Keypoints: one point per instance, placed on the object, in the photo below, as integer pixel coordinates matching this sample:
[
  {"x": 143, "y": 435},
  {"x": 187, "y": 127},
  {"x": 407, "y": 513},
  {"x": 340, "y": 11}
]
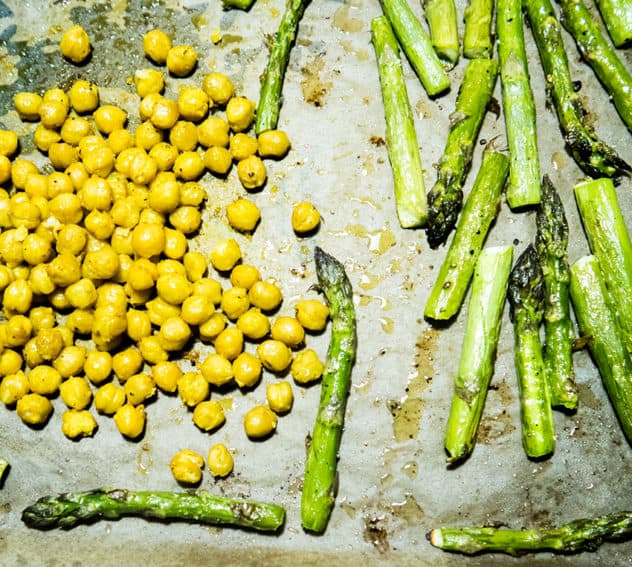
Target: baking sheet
[{"x": 393, "y": 481}]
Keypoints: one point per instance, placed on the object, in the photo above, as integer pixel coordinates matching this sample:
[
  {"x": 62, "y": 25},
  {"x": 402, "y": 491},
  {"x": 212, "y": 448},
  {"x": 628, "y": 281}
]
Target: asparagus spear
[
  {"x": 417, "y": 46},
  {"x": 524, "y": 175},
  {"x": 598, "y": 53},
  {"x": 593, "y": 155},
  {"x": 477, "y": 40},
  {"x": 401, "y": 138},
  {"x": 597, "y": 322},
  {"x": 476, "y": 366},
  {"x": 573, "y": 537},
  {"x": 552, "y": 243},
  {"x": 441, "y": 18},
  {"x": 444, "y": 199},
  {"x": 269, "y": 105},
  {"x": 526, "y": 298},
  {"x": 478, "y": 214},
  {"x": 609, "y": 240},
  {"x": 617, "y": 15},
  {"x": 73, "y": 508},
  {"x": 322, "y": 455}
]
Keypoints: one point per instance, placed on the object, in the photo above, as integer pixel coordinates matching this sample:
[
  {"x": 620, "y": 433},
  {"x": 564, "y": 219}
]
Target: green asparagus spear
[
  {"x": 444, "y": 199},
  {"x": 597, "y": 322},
  {"x": 476, "y": 366},
  {"x": 73, "y": 508},
  {"x": 479, "y": 211},
  {"x": 441, "y": 18},
  {"x": 401, "y": 138},
  {"x": 269, "y": 105},
  {"x": 576, "y": 536},
  {"x": 526, "y": 298},
  {"x": 417, "y": 46},
  {"x": 593, "y": 155},
  {"x": 617, "y": 15},
  {"x": 238, "y": 4},
  {"x": 598, "y": 53},
  {"x": 609, "y": 240},
  {"x": 322, "y": 455},
  {"x": 552, "y": 243},
  {"x": 524, "y": 174},
  {"x": 477, "y": 40}
]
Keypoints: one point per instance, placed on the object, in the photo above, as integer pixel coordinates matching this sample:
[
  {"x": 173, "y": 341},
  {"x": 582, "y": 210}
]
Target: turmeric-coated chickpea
[
  {"x": 49, "y": 343},
  {"x": 81, "y": 294},
  {"x": 17, "y": 297},
  {"x": 280, "y": 396},
  {"x": 289, "y": 331},
  {"x": 244, "y": 275},
  {"x": 52, "y": 113},
  {"x": 193, "y": 388},
  {"x": 208, "y": 287},
  {"x": 70, "y": 361},
  {"x": 260, "y": 422},
  {"x": 265, "y": 295},
  {"x": 84, "y": 96},
  {"x": 243, "y": 215},
  {"x": 216, "y": 369},
  {"x": 8, "y": 142},
  {"x": 5, "y": 169},
  {"x": 164, "y": 192},
  {"x": 194, "y": 265},
  {"x": 138, "y": 324},
  {"x": 44, "y": 379},
  {"x": 126, "y": 363},
  {"x": 138, "y": 388},
  {"x": 166, "y": 375},
  {"x": 247, "y": 370},
  {"x": 225, "y": 255},
  {"x": 112, "y": 295},
  {"x": 61, "y": 155},
  {"x": 10, "y": 362},
  {"x": 42, "y": 318},
  {"x": 108, "y": 118},
  {"x": 186, "y": 219},
  {"x": 306, "y": 367},
  {"x": 78, "y": 423},
  {"x": 240, "y": 112},
  {"x": 102, "y": 264},
  {"x": 312, "y": 314},
  {"x": 220, "y": 461},
  {"x": 174, "y": 334},
  {"x": 189, "y": 166},
  {"x": 36, "y": 249},
  {"x": 218, "y": 160},
  {"x": 20, "y": 170},
  {"x": 156, "y": 45},
  {"x": 253, "y": 324},
  {"x": 192, "y": 194},
  {"x": 193, "y": 103},
  {"x": 148, "y": 239},
  {"x": 142, "y": 274},
  {"x": 169, "y": 266},
  {"x": 208, "y": 415},
  {"x": 165, "y": 113},
  {"x": 148, "y": 81},
  {"x": 252, "y": 172},
  {"x": 75, "y": 392},
  {"x": 219, "y": 88},
  {"x": 75, "y": 44},
  {"x": 109, "y": 398},
  {"x": 235, "y": 302},
  {"x": 176, "y": 244},
  {"x": 214, "y": 131},
  {"x": 197, "y": 309},
  {"x": 151, "y": 349},
  {"x": 98, "y": 366},
  {"x": 130, "y": 420},
  {"x": 212, "y": 327},
  {"x": 160, "y": 310},
  {"x": 181, "y": 60},
  {"x": 186, "y": 466},
  {"x": 57, "y": 94},
  {"x": 142, "y": 168},
  {"x": 13, "y": 387},
  {"x": 184, "y": 136},
  {"x": 27, "y": 105},
  {"x": 34, "y": 409},
  {"x": 120, "y": 139},
  {"x": 273, "y": 144},
  {"x": 173, "y": 288},
  {"x": 36, "y": 186},
  {"x": 305, "y": 217},
  {"x": 242, "y": 146},
  {"x": 44, "y": 137},
  {"x": 66, "y": 208},
  {"x": 73, "y": 129},
  {"x": 229, "y": 343},
  {"x": 17, "y": 331},
  {"x": 80, "y": 321},
  {"x": 275, "y": 355},
  {"x": 147, "y": 136},
  {"x": 164, "y": 154}
]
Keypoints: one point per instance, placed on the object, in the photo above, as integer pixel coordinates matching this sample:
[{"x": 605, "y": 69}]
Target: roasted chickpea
[
  {"x": 164, "y": 154},
  {"x": 273, "y": 144},
  {"x": 36, "y": 249},
  {"x": 130, "y": 420},
  {"x": 36, "y": 185},
  {"x": 174, "y": 334},
  {"x": 280, "y": 396},
  {"x": 230, "y": 343},
  {"x": 70, "y": 361},
  {"x": 5, "y": 169},
  {"x": 265, "y": 295},
  {"x": 197, "y": 309},
  {"x": 75, "y": 44},
  {"x": 260, "y": 422},
  {"x": 49, "y": 343},
  {"x": 242, "y": 146},
  {"x": 225, "y": 255},
  {"x": 126, "y": 363},
  {"x": 44, "y": 379},
  {"x": 243, "y": 215},
  {"x": 156, "y": 45},
  {"x": 102, "y": 264},
  {"x": 13, "y": 387},
  {"x": 138, "y": 388},
  {"x": 219, "y": 88},
  {"x": 247, "y": 370},
  {"x": 173, "y": 288},
  {"x": 84, "y": 96},
  {"x": 214, "y": 131},
  {"x": 17, "y": 331},
  {"x": 220, "y": 461},
  {"x": 289, "y": 331},
  {"x": 62, "y": 155},
  {"x": 275, "y": 355},
  {"x": 148, "y": 81},
  {"x": 75, "y": 392},
  {"x": 109, "y": 398},
  {"x": 52, "y": 113},
  {"x": 17, "y": 297},
  {"x": 312, "y": 314},
  {"x": 160, "y": 310},
  {"x": 166, "y": 375},
  {"x": 244, "y": 275},
  {"x": 235, "y": 302},
  {"x": 210, "y": 288},
  {"x": 138, "y": 324},
  {"x": 192, "y": 194},
  {"x": 240, "y": 112},
  {"x": 20, "y": 170},
  {"x": 81, "y": 321},
  {"x": 218, "y": 160},
  {"x": 181, "y": 60},
  {"x": 193, "y": 388},
  {"x": 208, "y": 415},
  {"x": 165, "y": 113},
  {"x": 306, "y": 367},
  {"x": 152, "y": 351},
  {"x": 42, "y": 318},
  {"x": 186, "y": 466},
  {"x": 98, "y": 366},
  {"x": 10, "y": 362},
  {"x": 253, "y": 324},
  {"x": 27, "y": 105},
  {"x": 216, "y": 369},
  {"x": 186, "y": 219},
  {"x": 175, "y": 244},
  {"x": 215, "y": 324},
  {"x": 108, "y": 118},
  {"x": 147, "y": 136},
  {"x": 193, "y": 103},
  {"x": 44, "y": 137},
  {"x": 73, "y": 129},
  {"x": 183, "y": 136},
  {"x": 194, "y": 265},
  {"x": 8, "y": 142},
  {"x": 148, "y": 239},
  {"x": 189, "y": 166},
  {"x": 252, "y": 172},
  {"x": 78, "y": 423},
  {"x": 34, "y": 409}
]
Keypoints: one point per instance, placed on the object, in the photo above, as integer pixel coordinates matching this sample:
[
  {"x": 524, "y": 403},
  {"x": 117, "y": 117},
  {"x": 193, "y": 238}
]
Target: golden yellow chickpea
[
  {"x": 273, "y": 144},
  {"x": 193, "y": 388},
  {"x": 209, "y": 415},
  {"x": 31, "y": 356},
  {"x": 17, "y": 297},
  {"x": 220, "y": 461},
  {"x": 73, "y": 129},
  {"x": 108, "y": 118},
  {"x": 197, "y": 309},
  {"x": 142, "y": 168},
  {"x": 289, "y": 331},
  {"x": 169, "y": 267},
  {"x": 229, "y": 343},
  {"x": 147, "y": 136},
  {"x": 112, "y": 295},
  {"x": 240, "y": 112},
  {"x": 312, "y": 314},
  {"x": 225, "y": 255},
  {"x": 24, "y": 212},
  {"x": 44, "y": 137},
  {"x": 75, "y": 44},
  {"x": 212, "y": 327},
  {"x": 126, "y": 363},
  {"x": 98, "y": 366},
  {"x": 184, "y": 136},
  {"x": 173, "y": 288},
  {"x": 57, "y": 95},
  {"x": 244, "y": 275},
  {"x": 265, "y": 295},
  {"x": 44, "y": 379},
  {"x": 81, "y": 294},
  {"x": 192, "y": 194},
  {"x": 260, "y": 422},
  {"x": 138, "y": 388},
  {"x": 174, "y": 334},
  {"x": 13, "y": 387},
  {"x": 5, "y": 169},
  {"x": 52, "y": 113},
  {"x": 242, "y": 146},
  {"x": 138, "y": 324},
  {"x": 84, "y": 96},
  {"x": 252, "y": 173},
  {"x": 148, "y": 239},
  {"x": 280, "y": 397},
  {"x": 27, "y": 105},
  {"x": 214, "y": 131},
  {"x": 186, "y": 466},
  {"x": 189, "y": 166},
  {"x": 247, "y": 370},
  {"x": 193, "y": 103},
  {"x": 70, "y": 361},
  {"x": 10, "y": 362},
  {"x": 218, "y": 160},
  {"x": 219, "y": 88},
  {"x": 109, "y": 398},
  {"x": 160, "y": 310},
  {"x": 164, "y": 192},
  {"x": 11, "y": 249},
  {"x": 49, "y": 343},
  {"x": 42, "y": 318},
  {"x": 156, "y": 45},
  {"x": 194, "y": 265},
  {"x": 80, "y": 321},
  {"x": 36, "y": 249},
  {"x": 235, "y": 302},
  {"x": 130, "y": 420},
  {"x": 186, "y": 219},
  {"x": 175, "y": 244},
  {"x": 6, "y": 276},
  {"x": 305, "y": 218},
  {"x": 165, "y": 113},
  {"x": 75, "y": 392},
  {"x": 62, "y": 155},
  {"x": 306, "y": 367},
  {"x": 8, "y": 142},
  {"x": 34, "y": 409},
  {"x": 102, "y": 264},
  {"x": 166, "y": 375},
  {"x": 142, "y": 274},
  {"x": 151, "y": 350},
  {"x": 164, "y": 154},
  {"x": 20, "y": 170},
  {"x": 210, "y": 288},
  {"x": 120, "y": 139},
  {"x": 66, "y": 208},
  {"x": 37, "y": 185},
  {"x": 274, "y": 355},
  {"x": 216, "y": 369},
  {"x": 253, "y": 324},
  {"x": 243, "y": 215},
  {"x": 78, "y": 423},
  {"x": 181, "y": 60},
  {"x": 17, "y": 331},
  {"x": 148, "y": 81}
]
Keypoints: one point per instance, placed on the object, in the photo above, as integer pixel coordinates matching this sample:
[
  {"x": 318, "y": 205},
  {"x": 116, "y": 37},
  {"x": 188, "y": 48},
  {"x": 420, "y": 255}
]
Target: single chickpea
[
  {"x": 73, "y": 129},
  {"x": 17, "y": 297},
  {"x": 42, "y": 318},
  {"x": 44, "y": 379},
  {"x": 193, "y": 103},
  {"x": 80, "y": 321},
  {"x": 81, "y": 294},
  {"x": 251, "y": 172},
  {"x": 173, "y": 288},
  {"x": 312, "y": 314},
  {"x": 36, "y": 186},
  {"x": 189, "y": 166},
  {"x": 160, "y": 310},
  {"x": 27, "y": 105},
  {"x": 52, "y": 113},
  {"x": 240, "y": 112},
  {"x": 164, "y": 154},
  {"x": 229, "y": 343},
  {"x": 242, "y": 146},
  {"x": 197, "y": 309},
  {"x": 208, "y": 415},
  {"x": 184, "y": 136},
  {"x": 75, "y": 44},
  {"x": 49, "y": 343},
  {"x": 210, "y": 288},
  {"x": 273, "y": 144},
  {"x": 108, "y": 118},
  {"x": 194, "y": 265},
  {"x": 220, "y": 461},
  {"x": 175, "y": 244},
  {"x": 260, "y": 422},
  {"x": 265, "y": 295},
  {"x": 156, "y": 45},
  {"x": 78, "y": 423},
  {"x": 102, "y": 264},
  {"x": 214, "y": 131},
  {"x": 148, "y": 240},
  {"x": 120, "y": 139},
  {"x": 5, "y": 169},
  {"x": 62, "y": 155},
  {"x": 193, "y": 388},
  {"x": 216, "y": 369},
  {"x": 9, "y": 142},
  {"x": 13, "y": 387},
  {"x": 44, "y": 137},
  {"x": 165, "y": 113},
  {"x": 109, "y": 398},
  {"x": 192, "y": 194},
  {"x": 225, "y": 255},
  {"x": 219, "y": 88},
  {"x": 215, "y": 324},
  {"x": 247, "y": 370},
  {"x": 152, "y": 350},
  {"x": 138, "y": 388},
  {"x": 166, "y": 375},
  {"x": 305, "y": 218},
  {"x": 126, "y": 363},
  {"x": 306, "y": 367},
  {"x": 164, "y": 192},
  {"x": 186, "y": 466},
  {"x": 253, "y": 324},
  {"x": 84, "y": 96},
  {"x": 186, "y": 219},
  {"x": 17, "y": 331},
  {"x": 174, "y": 334},
  {"x": 289, "y": 331},
  {"x": 10, "y": 362},
  {"x": 20, "y": 170},
  {"x": 66, "y": 208},
  {"x": 169, "y": 267},
  {"x": 130, "y": 420},
  {"x": 98, "y": 366},
  {"x": 138, "y": 324},
  {"x": 244, "y": 275},
  {"x": 112, "y": 295},
  {"x": 36, "y": 249},
  {"x": 147, "y": 136},
  {"x": 34, "y": 409},
  {"x": 218, "y": 160},
  {"x": 181, "y": 60},
  {"x": 70, "y": 361},
  {"x": 75, "y": 392},
  {"x": 148, "y": 81},
  {"x": 274, "y": 355},
  {"x": 280, "y": 397},
  {"x": 243, "y": 215},
  {"x": 142, "y": 274}
]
